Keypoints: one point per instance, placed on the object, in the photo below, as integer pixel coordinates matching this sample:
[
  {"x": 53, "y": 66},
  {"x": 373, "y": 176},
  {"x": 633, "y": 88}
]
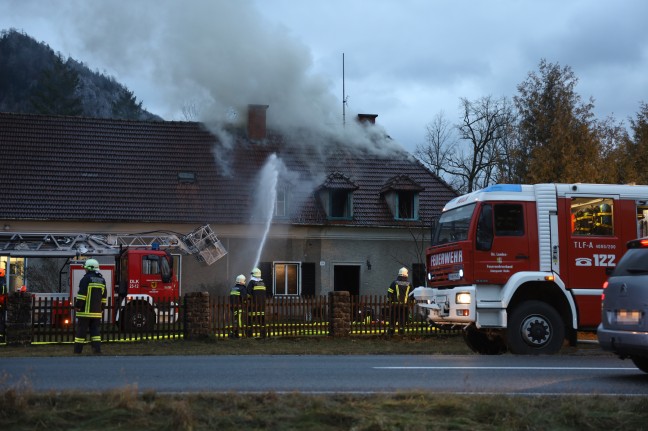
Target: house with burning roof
[{"x": 315, "y": 213}]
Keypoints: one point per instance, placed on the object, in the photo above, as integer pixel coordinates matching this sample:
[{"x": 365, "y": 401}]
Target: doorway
[{"x": 347, "y": 277}]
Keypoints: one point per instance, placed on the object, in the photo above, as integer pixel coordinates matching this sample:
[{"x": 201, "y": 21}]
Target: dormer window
[
  {"x": 402, "y": 196},
  {"x": 340, "y": 204},
  {"x": 407, "y": 205},
  {"x": 336, "y": 196}
]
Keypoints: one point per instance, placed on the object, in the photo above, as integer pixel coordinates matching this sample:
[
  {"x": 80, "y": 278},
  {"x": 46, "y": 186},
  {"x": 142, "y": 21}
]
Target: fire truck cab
[
  {"x": 521, "y": 267},
  {"x": 143, "y": 282}
]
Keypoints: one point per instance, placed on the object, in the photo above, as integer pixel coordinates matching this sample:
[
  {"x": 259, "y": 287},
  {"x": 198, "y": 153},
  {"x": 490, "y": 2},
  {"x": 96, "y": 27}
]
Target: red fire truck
[
  {"x": 521, "y": 267},
  {"x": 141, "y": 276}
]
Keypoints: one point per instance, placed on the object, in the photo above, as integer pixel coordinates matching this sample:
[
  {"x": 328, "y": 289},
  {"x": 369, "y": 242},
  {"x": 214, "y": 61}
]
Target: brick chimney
[
  {"x": 257, "y": 122},
  {"x": 367, "y": 118}
]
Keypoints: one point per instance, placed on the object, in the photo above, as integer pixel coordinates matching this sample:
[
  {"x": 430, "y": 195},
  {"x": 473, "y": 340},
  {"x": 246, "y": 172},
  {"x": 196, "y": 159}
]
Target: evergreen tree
[
  {"x": 34, "y": 79},
  {"x": 557, "y": 139},
  {"x": 56, "y": 92},
  {"x": 126, "y": 106},
  {"x": 634, "y": 154},
  {"x": 614, "y": 139}
]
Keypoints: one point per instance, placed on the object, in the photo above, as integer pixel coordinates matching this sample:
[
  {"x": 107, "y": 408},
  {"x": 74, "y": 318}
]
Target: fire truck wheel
[
  {"x": 480, "y": 342},
  {"x": 640, "y": 362},
  {"x": 535, "y": 328},
  {"x": 138, "y": 318}
]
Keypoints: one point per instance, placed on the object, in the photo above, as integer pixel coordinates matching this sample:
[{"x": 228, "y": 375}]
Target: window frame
[
  {"x": 413, "y": 203},
  {"x": 285, "y": 293},
  {"x": 348, "y": 204},
  {"x": 281, "y": 202}
]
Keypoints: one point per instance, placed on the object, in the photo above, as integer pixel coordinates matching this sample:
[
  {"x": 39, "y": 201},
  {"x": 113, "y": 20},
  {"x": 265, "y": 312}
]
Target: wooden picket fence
[
  {"x": 306, "y": 316},
  {"x": 52, "y": 319}
]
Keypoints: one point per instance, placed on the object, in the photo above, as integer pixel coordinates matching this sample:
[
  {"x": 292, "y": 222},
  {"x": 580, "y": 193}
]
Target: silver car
[{"x": 624, "y": 321}]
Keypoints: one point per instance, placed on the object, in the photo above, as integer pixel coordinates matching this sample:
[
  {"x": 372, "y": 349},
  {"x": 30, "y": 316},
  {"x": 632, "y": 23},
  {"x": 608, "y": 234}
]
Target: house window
[
  {"x": 281, "y": 203},
  {"x": 407, "y": 205},
  {"x": 339, "y": 204},
  {"x": 286, "y": 278}
]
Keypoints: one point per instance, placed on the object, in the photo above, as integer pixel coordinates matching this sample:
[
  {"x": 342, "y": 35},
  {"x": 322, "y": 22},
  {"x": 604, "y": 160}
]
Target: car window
[{"x": 634, "y": 261}]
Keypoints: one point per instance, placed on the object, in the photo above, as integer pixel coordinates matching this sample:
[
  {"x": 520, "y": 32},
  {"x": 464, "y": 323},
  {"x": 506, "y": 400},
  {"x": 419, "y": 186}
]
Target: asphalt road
[{"x": 505, "y": 374}]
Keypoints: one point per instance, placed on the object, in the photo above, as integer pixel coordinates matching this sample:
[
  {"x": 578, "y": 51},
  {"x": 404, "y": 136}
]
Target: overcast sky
[{"x": 405, "y": 60}]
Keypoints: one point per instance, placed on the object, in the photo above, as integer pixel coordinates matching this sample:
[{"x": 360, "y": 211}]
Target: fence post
[
  {"x": 197, "y": 315},
  {"x": 19, "y": 319},
  {"x": 340, "y": 323}
]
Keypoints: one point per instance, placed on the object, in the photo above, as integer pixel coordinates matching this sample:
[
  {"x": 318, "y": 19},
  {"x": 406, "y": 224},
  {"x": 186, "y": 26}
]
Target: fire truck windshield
[{"x": 453, "y": 225}]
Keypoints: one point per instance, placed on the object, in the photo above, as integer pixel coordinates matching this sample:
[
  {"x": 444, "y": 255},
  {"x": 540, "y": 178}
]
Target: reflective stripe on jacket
[
  {"x": 91, "y": 298},
  {"x": 398, "y": 291},
  {"x": 238, "y": 294}
]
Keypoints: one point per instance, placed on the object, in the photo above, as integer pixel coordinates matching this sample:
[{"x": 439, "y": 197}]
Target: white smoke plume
[
  {"x": 217, "y": 56},
  {"x": 220, "y": 55},
  {"x": 211, "y": 58}
]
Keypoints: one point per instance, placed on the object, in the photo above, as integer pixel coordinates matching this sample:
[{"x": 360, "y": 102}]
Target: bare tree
[
  {"x": 480, "y": 154},
  {"x": 485, "y": 127},
  {"x": 438, "y": 147},
  {"x": 509, "y": 152}
]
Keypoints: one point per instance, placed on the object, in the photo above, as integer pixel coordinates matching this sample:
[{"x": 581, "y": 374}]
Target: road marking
[{"x": 511, "y": 368}]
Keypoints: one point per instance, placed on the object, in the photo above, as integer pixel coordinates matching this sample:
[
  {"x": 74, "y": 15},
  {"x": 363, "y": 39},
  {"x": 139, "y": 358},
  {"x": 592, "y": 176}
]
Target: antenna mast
[{"x": 344, "y": 98}]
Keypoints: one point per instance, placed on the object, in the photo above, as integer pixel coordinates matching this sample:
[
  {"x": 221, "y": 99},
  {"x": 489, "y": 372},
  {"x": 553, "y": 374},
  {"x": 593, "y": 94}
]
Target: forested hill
[{"x": 36, "y": 80}]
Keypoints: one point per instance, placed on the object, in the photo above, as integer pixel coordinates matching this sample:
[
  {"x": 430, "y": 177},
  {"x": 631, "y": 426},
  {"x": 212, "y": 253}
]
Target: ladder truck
[
  {"x": 142, "y": 279},
  {"x": 521, "y": 267}
]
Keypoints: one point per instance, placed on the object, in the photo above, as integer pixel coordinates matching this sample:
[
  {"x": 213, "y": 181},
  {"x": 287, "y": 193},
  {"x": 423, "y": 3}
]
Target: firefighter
[
  {"x": 89, "y": 304},
  {"x": 256, "y": 291},
  {"x": 3, "y": 301},
  {"x": 238, "y": 297},
  {"x": 398, "y": 297}
]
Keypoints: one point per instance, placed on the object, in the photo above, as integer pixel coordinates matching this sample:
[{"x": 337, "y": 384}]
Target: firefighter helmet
[
  {"x": 403, "y": 272},
  {"x": 2, "y": 272},
  {"x": 240, "y": 279},
  {"x": 256, "y": 272},
  {"x": 91, "y": 265}
]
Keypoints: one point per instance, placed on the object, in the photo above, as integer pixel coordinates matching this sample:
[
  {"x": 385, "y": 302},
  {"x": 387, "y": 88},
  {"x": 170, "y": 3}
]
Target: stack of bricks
[
  {"x": 19, "y": 319},
  {"x": 340, "y": 320},
  {"x": 197, "y": 316}
]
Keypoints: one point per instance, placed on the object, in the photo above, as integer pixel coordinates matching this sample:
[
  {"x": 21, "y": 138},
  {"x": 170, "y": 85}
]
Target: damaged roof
[{"x": 89, "y": 169}]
